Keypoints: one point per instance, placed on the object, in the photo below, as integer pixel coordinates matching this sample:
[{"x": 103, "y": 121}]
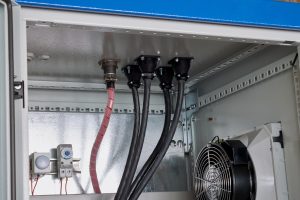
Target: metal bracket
[
  {"x": 279, "y": 139},
  {"x": 191, "y": 107},
  {"x": 237, "y": 57},
  {"x": 19, "y": 91},
  {"x": 247, "y": 81}
]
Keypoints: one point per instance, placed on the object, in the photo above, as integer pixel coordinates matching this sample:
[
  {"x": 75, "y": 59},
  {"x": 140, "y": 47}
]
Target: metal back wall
[
  {"x": 49, "y": 129},
  {"x": 262, "y": 13}
]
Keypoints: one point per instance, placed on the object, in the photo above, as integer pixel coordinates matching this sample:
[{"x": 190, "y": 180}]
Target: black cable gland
[
  {"x": 109, "y": 67},
  {"x": 133, "y": 74},
  {"x": 147, "y": 64},
  {"x": 165, "y": 75},
  {"x": 181, "y": 66}
]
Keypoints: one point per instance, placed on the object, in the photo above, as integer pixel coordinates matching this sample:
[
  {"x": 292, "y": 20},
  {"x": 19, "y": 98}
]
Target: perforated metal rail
[{"x": 247, "y": 81}]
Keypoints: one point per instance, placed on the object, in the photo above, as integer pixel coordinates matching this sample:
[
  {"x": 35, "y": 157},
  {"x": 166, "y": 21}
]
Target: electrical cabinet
[{"x": 240, "y": 78}]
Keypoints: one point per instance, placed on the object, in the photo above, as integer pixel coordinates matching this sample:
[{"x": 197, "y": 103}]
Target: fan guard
[{"x": 223, "y": 171}]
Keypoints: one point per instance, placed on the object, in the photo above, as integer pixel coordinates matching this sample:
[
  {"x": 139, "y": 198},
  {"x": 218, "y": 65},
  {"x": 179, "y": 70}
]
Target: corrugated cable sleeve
[{"x": 99, "y": 138}]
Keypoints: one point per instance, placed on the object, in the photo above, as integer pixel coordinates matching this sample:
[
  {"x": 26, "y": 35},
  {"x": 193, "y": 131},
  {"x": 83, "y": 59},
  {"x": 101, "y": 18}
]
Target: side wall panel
[{"x": 269, "y": 101}]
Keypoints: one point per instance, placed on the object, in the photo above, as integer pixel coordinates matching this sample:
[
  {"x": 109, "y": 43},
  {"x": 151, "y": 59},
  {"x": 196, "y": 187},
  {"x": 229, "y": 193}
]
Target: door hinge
[{"x": 19, "y": 91}]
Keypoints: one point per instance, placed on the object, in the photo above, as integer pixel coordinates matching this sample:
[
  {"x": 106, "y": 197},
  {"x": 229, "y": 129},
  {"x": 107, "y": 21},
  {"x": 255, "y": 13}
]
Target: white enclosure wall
[{"x": 4, "y": 107}]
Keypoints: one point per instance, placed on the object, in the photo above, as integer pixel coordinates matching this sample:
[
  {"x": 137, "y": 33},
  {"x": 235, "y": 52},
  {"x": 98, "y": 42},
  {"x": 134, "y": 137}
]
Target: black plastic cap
[
  {"x": 147, "y": 64},
  {"x": 181, "y": 66},
  {"x": 165, "y": 75},
  {"x": 133, "y": 74}
]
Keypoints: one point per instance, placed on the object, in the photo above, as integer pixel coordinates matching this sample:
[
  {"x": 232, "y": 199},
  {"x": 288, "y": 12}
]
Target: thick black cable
[
  {"x": 137, "y": 192},
  {"x": 148, "y": 164},
  {"x": 140, "y": 143},
  {"x": 134, "y": 140}
]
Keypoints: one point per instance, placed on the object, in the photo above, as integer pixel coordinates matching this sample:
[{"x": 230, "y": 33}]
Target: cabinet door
[{"x": 5, "y": 173}]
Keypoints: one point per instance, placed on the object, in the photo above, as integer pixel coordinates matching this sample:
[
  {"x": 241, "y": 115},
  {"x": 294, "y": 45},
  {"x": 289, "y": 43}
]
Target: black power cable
[
  {"x": 147, "y": 65},
  {"x": 133, "y": 74},
  {"x": 127, "y": 175},
  {"x": 165, "y": 74},
  {"x": 139, "y": 188},
  {"x": 181, "y": 67},
  {"x": 139, "y": 145},
  {"x": 158, "y": 147}
]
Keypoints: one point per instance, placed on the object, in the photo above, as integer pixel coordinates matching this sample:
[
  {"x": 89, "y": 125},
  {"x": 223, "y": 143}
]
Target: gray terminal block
[{"x": 64, "y": 161}]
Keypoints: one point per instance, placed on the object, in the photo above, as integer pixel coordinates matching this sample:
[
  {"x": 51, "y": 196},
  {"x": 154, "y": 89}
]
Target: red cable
[
  {"x": 36, "y": 182},
  {"x": 99, "y": 138}
]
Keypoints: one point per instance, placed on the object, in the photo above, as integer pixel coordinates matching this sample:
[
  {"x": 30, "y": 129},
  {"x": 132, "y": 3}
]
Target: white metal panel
[
  {"x": 4, "y": 106},
  {"x": 75, "y": 51},
  {"x": 270, "y": 101},
  {"x": 21, "y": 120}
]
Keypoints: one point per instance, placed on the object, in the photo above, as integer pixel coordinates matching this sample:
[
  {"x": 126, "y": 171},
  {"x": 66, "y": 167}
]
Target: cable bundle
[{"x": 129, "y": 189}]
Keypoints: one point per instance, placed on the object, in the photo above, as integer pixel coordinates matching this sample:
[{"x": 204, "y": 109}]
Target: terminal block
[{"x": 64, "y": 161}]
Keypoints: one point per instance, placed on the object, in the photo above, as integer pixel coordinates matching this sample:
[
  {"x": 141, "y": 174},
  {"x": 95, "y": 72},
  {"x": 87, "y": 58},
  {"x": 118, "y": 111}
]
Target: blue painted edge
[{"x": 257, "y": 13}]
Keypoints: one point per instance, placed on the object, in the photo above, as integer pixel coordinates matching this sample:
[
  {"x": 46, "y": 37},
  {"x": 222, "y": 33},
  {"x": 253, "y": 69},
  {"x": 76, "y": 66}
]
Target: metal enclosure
[{"x": 66, "y": 94}]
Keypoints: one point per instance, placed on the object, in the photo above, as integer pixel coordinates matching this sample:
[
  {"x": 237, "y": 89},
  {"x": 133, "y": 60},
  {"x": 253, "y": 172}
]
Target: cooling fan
[
  {"x": 248, "y": 166},
  {"x": 224, "y": 172}
]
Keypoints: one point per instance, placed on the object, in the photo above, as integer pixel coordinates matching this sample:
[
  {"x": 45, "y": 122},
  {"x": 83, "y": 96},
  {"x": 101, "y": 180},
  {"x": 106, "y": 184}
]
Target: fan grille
[{"x": 213, "y": 174}]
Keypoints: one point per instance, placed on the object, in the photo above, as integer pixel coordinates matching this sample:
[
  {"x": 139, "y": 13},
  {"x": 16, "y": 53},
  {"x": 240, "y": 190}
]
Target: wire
[
  {"x": 134, "y": 140},
  {"x": 139, "y": 188},
  {"x": 99, "y": 138},
  {"x": 31, "y": 184},
  {"x": 36, "y": 182},
  {"x": 160, "y": 143},
  {"x": 66, "y": 186},
  {"x": 60, "y": 192},
  {"x": 214, "y": 138},
  {"x": 139, "y": 145}
]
